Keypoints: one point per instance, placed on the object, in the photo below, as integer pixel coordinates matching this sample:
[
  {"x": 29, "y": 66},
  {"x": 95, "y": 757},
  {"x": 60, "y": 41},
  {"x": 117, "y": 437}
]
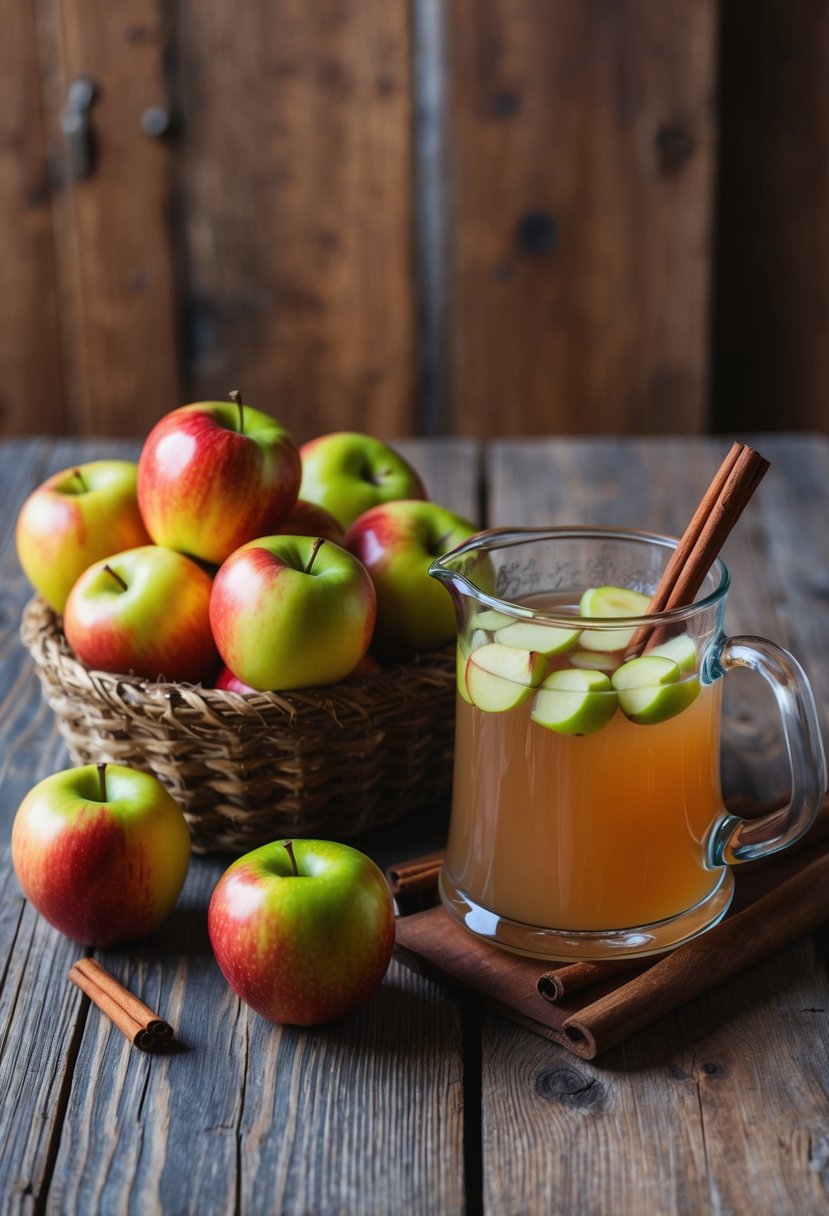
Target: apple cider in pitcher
[
  {"x": 551, "y": 821},
  {"x": 555, "y": 829},
  {"x": 587, "y": 818}
]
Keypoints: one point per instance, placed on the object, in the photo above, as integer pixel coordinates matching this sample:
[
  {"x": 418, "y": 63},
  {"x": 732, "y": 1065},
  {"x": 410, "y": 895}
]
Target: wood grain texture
[
  {"x": 772, "y": 299},
  {"x": 31, "y": 394},
  {"x": 706, "y": 1091},
  {"x": 117, "y": 253},
  {"x": 581, "y": 149},
  {"x": 299, "y": 210}
]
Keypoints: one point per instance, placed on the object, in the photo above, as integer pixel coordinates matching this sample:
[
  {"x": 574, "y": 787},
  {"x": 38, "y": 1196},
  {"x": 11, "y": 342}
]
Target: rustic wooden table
[{"x": 422, "y": 1102}]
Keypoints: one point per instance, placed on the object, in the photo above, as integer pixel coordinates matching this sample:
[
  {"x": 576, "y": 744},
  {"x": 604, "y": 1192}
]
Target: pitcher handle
[{"x": 734, "y": 839}]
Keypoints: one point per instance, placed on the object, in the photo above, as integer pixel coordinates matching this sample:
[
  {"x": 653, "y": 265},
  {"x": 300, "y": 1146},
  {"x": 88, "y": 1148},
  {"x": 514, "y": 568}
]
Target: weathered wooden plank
[
  {"x": 695, "y": 1092},
  {"x": 117, "y": 260},
  {"x": 771, "y": 359},
  {"x": 31, "y": 391},
  {"x": 299, "y": 210},
  {"x": 581, "y": 150},
  {"x": 246, "y": 1116}
]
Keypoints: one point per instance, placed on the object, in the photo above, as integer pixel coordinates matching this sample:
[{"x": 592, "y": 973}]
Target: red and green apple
[
  {"x": 302, "y": 930},
  {"x": 101, "y": 852},
  {"x": 144, "y": 611},
  {"x": 292, "y": 612},
  {"x": 214, "y": 475},
  {"x": 76, "y": 517},
  {"x": 308, "y": 519},
  {"x": 397, "y": 542},
  {"x": 347, "y": 472}
]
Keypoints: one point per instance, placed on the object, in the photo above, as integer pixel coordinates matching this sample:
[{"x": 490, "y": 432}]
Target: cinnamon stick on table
[
  {"x": 419, "y": 874},
  {"x": 141, "y": 1025},
  {"x": 720, "y": 507}
]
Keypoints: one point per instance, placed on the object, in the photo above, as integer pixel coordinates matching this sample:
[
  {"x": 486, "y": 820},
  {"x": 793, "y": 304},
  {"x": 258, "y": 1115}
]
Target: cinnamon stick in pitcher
[{"x": 720, "y": 507}]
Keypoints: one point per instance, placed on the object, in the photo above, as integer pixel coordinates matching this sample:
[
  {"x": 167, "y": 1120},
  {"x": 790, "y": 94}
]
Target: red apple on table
[
  {"x": 76, "y": 517},
  {"x": 347, "y": 472},
  {"x": 292, "y": 612},
  {"x": 214, "y": 475},
  {"x": 101, "y": 852},
  {"x": 397, "y": 542},
  {"x": 303, "y": 934},
  {"x": 145, "y": 611}
]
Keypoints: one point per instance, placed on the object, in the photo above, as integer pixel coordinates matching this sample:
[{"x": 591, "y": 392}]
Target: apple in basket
[
  {"x": 347, "y": 472},
  {"x": 307, "y": 519},
  {"x": 396, "y": 542},
  {"x": 214, "y": 475},
  {"x": 76, "y": 517},
  {"x": 302, "y": 930},
  {"x": 145, "y": 611},
  {"x": 292, "y": 612},
  {"x": 101, "y": 852}
]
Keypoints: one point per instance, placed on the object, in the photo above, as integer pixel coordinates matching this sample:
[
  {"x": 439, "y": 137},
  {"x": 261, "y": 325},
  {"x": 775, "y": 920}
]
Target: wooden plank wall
[{"x": 473, "y": 217}]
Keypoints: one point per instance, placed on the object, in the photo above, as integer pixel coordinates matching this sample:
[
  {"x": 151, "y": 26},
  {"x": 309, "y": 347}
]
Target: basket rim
[{"x": 41, "y": 632}]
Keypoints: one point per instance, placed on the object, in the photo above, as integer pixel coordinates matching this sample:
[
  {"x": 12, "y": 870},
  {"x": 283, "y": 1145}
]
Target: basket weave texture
[{"x": 328, "y": 762}]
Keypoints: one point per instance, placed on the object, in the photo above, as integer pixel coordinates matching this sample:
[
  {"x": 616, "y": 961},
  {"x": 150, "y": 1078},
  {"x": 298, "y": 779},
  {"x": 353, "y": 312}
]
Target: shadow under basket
[{"x": 328, "y": 762}]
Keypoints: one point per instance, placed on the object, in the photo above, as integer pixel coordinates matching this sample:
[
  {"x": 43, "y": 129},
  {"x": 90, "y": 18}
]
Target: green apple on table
[
  {"x": 302, "y": 930},
  {"x": 101, "y": 852},
  {"x": 347, "y": 472},
  {"x": 144, "y": 611},
  {"x": 214, "y": 475},
  {"x": 292, "y": 612},
  {"x": 74, "y": 518},
  {"x": 397, "y": 542}
]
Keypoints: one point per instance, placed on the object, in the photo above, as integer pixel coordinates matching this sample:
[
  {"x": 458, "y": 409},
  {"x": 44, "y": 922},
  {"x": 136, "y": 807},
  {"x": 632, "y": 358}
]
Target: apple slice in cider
[
  {"x": 531, "y": 635},
  {"x": 574, "y": 701},
  {"x": 594, "y": 660},
  {"x": 490, "y": 618},
  {"x": 650, "y": 689},
  {"x": 607, "y": 603},
  {"x": 681, "y": 649},
  {"x": 479, "y": 638},
  {"x": 500, "y": 677}
]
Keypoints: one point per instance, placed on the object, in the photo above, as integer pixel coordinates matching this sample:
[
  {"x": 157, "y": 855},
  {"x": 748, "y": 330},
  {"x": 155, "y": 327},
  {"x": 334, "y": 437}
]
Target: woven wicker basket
[{"x": 327, "y": 762}]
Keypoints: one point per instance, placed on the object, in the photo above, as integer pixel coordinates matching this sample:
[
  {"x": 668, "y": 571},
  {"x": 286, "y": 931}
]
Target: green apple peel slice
[
  {"x": 531, "y": 635},
  {"x": 650, "y": 689},
  {"x": 491, "y": 619},
  {"x": 681, "y": 649},
  {"x": 479, "y": 638},
  {"x": 609, "y": 603},
  {"x": 574, "y": 702},
  {"x": 501, "y": 677},
  {"x": 594, "y": 660}
]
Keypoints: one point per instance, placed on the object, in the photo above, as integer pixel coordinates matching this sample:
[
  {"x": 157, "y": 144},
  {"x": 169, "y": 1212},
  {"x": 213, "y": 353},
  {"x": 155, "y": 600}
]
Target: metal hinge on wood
[{"x": 76, "y": 125}]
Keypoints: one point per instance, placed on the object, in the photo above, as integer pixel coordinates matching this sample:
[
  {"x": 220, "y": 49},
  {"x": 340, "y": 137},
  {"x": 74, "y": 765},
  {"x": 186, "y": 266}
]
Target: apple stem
[
  {"x": 289, "y": 849},
  {"x": 117, "y": 578},
  {"x": 77, "y": 473},
  {"x": 318, "y": 543},
  {"x": 102, "y": 781},
  {"x": 236, "y": 397}
]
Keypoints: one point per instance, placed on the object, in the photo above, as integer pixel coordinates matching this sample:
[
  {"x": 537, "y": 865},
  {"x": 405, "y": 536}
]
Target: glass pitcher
[{"x": 587, "y": 815}]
